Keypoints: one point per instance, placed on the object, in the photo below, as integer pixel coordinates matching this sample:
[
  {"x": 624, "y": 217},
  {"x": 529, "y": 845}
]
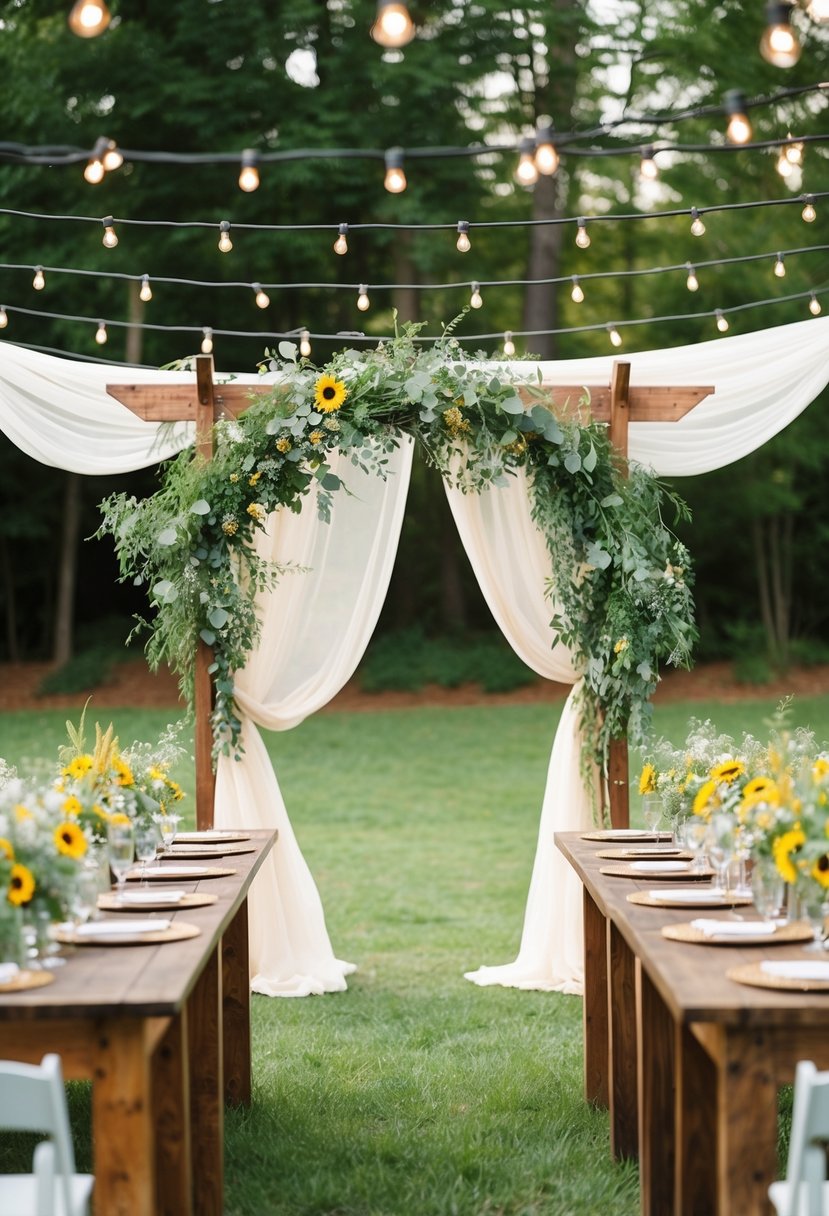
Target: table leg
[
  {"x": 595, "y": 1004},
  {"x": 171, "y": 1117},
  {"x": 204, "y": 1042},
  {"x": 236, "y": 1009},
  {"x": 746, "y": 1124},
  {"x": 696, "y": 1120},
  {"x": 122, "y": 1120},
  {"x": 656, "y": 1050},
  {"x": 621, "y": 969}
]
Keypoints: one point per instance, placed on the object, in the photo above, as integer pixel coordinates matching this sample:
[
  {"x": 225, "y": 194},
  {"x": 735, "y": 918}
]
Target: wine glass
[
  {"x": 167, "y": 822},
  {"x": 84, "y": 900},
  {"x": 146, "y": 845},
  {"x": 48, "y": 950},
  {"x": 121, "y": 849},
  {"x": 720, "y": 840},
  {"x": 693, "y": 836},
  {"x": 652, "y": 813},
  {"x": 815, "y": 905},
  {"x": 767, "y": 888}
]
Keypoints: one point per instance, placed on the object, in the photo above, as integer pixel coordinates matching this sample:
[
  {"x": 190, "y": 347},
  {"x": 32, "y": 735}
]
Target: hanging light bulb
[
  {"x": 101, "y": 333},
  {"x": 341, "y": 243},
  {"x": 526, "y": 173},
  {"x": 582, "y": 235},
  {"x": 4, "y": 317},
  {"x": 89, "y": 18},
  {"x": 395, "y": 179},
  {"x": 113, "y": 157},
  {"x": 509, "y": 345},
  {"x": 692, "y": 282},
  {"x": 261, "y": 298},
  {"x": 463, "y": 243},
  {"x": 249, "y": 173},
  {"x": 614, "y": 335},
  {"x": 576, "y": 295},
  {"x": 476, "y": 300},
  {"x": 784, "y": 166},
  {"x": 96, "y": 166},
  {"x": 393, "y": 27},
  {"x": 722, "y": 321},
  {"x": 779, "y": 45},
  {"x": 39, "y": 281},
  {"x": 780, "y": 267},
  {"x": 363, "y": 302},
  {"x": 546, "y": 157},
  {"x": 738, "y": 130},
  {"x": 648, "y": 168},
  {"x": 818, "y": 10},
  {"x": 110, "y": 237},
  {"x": 697, "y": 226},
  {"x": 207, "y": 341},
  {"x": 146, "y": 292},
  {"x": 808, "y": 214},
  {"x": 794, "y": 151},
  {"x": 225, "y": 243},
  {"x": 305, "y": 344},
  {"x": 814, "y": 304}
]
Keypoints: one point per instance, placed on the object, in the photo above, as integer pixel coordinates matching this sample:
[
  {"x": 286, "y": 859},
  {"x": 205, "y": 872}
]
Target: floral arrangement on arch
[{"x": 623, "y": 581}]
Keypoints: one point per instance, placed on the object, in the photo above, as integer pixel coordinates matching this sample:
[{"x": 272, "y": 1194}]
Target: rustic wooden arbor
[{"x": 206, "y": 402}]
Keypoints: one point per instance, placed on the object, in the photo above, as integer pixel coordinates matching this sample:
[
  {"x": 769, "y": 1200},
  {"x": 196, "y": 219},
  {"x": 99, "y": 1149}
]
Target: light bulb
[
  {"x": 393, "y": 26},
  {"x": 576, "y": 295},
  {"x": 738, "y": 130},
  {"x": 94, "y": 171},
  {"x": 146, "y": 292},
  {"x": 722, "y": 322},
  {"x": 526, "y": 173},
  {"x": 808, "y": 214},
  {"x": 261, "y": 298},
  {"x": 110, "y": 237},
  {"x": 101, "y": 333},
  {"x": 509, "y": 345},
  {"x": 582, "y": 235},
  {"x": 225, "y": 243},
  {"x": 697, "y": 226},
  {"x": 39, "y": 281},
  {"x": 113, "y": 157},
  {"x": 814, "y": 304},
  {"x": 647, "y": 165},
  {"x": 89, "y": 18},
  {"x": 614, "y": 335},
  {"x": 395, "y": 179},
  {"x": 341, "y": 243},
  {"x": 692, "y": 282},
  {"x": 463, "y": 243},
  {"x": 794, "y": 152},
  {"x": 476, "y": 300},
  {"x": 780, "y": 267},
  {"x": 305, "y": 344},
  {"x": 4, "y": 317},
  {"x": 363, "y": 302},
  {"x": 249, "y": 173},
  {"x": 784, "y": 166},
  {"x": 818, "y": 10},
  {"x": 546, "y": 157},
  {"x": 779, "y": 45},
  {"x": 207, "y": 341}
]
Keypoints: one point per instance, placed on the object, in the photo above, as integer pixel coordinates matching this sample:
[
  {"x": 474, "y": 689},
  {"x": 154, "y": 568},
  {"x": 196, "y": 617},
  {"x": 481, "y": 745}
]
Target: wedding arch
[{"x": 316, "y": 626}]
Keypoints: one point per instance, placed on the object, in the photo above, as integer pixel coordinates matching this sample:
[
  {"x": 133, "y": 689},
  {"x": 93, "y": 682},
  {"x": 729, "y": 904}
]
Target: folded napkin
[
  {"x": 795, "y": 969},
  {"x": 113, "y": 928},
  {"x": 172, "y": 871},
  {"x": 152, "y": 897},
  {"x": 8, "y": 972},
  {"x": 734, "y": 928},
  {"x": 697, "y": 895},
  {"x": 648, "y": 867}
]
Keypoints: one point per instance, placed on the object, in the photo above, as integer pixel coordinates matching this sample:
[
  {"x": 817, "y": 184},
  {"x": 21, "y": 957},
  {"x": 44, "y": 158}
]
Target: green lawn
[{"x": 416, "y": 1093}]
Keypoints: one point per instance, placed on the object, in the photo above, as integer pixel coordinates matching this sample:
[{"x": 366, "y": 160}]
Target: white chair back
[{"x": 805, "y": 1191}]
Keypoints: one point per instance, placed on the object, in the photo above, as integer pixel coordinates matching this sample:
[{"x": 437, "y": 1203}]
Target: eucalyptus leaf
[
  {"x": 200, "y": 507},
  {"x": 167, "y": 536},
  {"x": 289, "y": 351},
  {"x": 207, "y": 636},
  {"x": 218, "y": 617},
  {"x": 572, "y": 462},
  {"x": 589, "y": 461}
]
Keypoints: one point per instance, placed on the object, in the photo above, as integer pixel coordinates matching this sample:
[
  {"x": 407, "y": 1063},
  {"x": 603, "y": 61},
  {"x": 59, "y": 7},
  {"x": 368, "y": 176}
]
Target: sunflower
[
  {"x": 761, "y": 789},
  {"x": 647, "y": 780},
  {"x": 69, "y": 839},
  {"x": 820, "y": 768},
  {"x": 21, "y": 885},
  {"x": 119, "y": 817},
  {"x": 703, "y": 802},
  {"x": 728, "y": 770},
  {"x": 329, "y": 394},
  {"x": 123, "y": 772},
  {"x": 72, "y": 806},
  {"x": 6, "y": 849},
  {"x": 78, "y": 767},
  {"x": 783, "y": 849},
  {"x": 820, "y": 871}
]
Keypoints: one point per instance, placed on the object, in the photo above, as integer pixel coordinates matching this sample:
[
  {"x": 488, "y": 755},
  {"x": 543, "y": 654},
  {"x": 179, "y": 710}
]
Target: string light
[
  {"x": 261, "y": 297},
  {"x": 305, "y": 344},
  {"x": 146, "y": 292},
  {"x": 779, "y": 45},
  {"x": 793, "y": 151},
  {"x": 576, "y": 295},
  {"x": 546, "y": 157},
  {"x": 395, "y": 179},
  {"x": 95, "y": 168},
  {"x": 393, "y": 27},
  {"x": 110, "y": 237},
  {"x": 249, "y": 173},
  {"x": 509, "y": 345},
  {"x": 722, "y": 321},
  {"x": 614, "y": 335},
  {"x": 4, "y": 317},
  {"x": 780, "y": 267},
  {"x": 89, "y": 18},
  {"x": 463, "y": 243},
  {"x": 648, "y": 168},
  {"x": 697, "y": 226},
  {"x": 476, "y": 300},
  {"x": 341, "y": 243},
  {"x": 808, "y": 214},
  {"x": 738, "y": 130},
  {"x": 39, "y": 281},
  {"x": 818, "y": 10},
  {"x": 207, "y": 341},
  {"x": 526, "y": 173},
  {"x": 225, "y": 243},
  {"x": 113, "y": 157},
  {"x": 101, "y": 333},
  {"x": 784, "y": 166},
  {"x": 363, "y": 302},
  {"x": 582, "y": 235},
  {"x": 814, "y": 305},
  {"x": 692, "y": 282}
]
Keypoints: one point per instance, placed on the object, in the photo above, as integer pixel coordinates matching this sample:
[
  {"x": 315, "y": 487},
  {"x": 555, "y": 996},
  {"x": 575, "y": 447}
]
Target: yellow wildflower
[
  {"x": 783, "y": 849},
  {"x": 455, "y": 422},
  {"x": 329, "y": 394},
  {"x": 230, "y": 526},
  {"x": 705, "y": 799},
  {"x": 647, "y": 780},
  {"x": 621, "y": 646},
  {"x": 283, "y": 444},
  {"x": 69, "y": 839},
  {"x": 22, "y": 812},
  {"x": 254, "y": 477},
  {"x": 21, "y": 885},
  {"x": 118, "y": 817},
  {"x": 234, "y": 477},
  {"x": 71, "y": 806},
  {"x": 820, "y": 768},
  {"x": 78, "y": 767},
  {"x": 123, "y": 772},
  {"x": 316, "y": 437},
  {"x": 256, "y": 511},
  {"x": 6, "y": 849}
]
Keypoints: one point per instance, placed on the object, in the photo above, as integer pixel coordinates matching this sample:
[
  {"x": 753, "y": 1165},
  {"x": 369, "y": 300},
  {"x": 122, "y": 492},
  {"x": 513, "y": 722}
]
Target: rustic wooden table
[
  {"x": 163, "y": 1033},
  {"x": 688, "y": 1062}
]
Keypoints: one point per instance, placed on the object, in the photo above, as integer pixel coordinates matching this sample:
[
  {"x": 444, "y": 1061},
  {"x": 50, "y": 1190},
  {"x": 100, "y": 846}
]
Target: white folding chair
[
  {"x": 32, "y": 1098},
  {"x": 805, "y": 1191}
]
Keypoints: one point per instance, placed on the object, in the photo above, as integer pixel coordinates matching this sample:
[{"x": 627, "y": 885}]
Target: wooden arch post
[{"x": 205, "y": 402}]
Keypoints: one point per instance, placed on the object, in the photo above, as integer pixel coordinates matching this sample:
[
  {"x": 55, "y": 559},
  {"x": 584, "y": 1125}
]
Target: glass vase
[{"x": 12, "y": 944}]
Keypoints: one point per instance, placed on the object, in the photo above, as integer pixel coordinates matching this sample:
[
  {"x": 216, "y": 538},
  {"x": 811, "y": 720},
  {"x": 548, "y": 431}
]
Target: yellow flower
[
  {"x": 78, "y": 767},
  {"x": 21, "y": 885},
  {"x": 6, "y": 849},
  {"x": 820, "y": 871},
  {"x": 230, "y": 526},
  {"x": 69, "y": 839},
  {"x": 234, "y": 477},
  {"x": 621, "y": 645},
  {"x": 118, "y": 817},
  {"x": 329, "y": 394},
  {"x": 283, "y": 444},
  {"x": 256, "y": 511},
  {"x": 728, "y": 770},
  {"x": 22, "y": 812},
  {"x": 316, "y": 437},
  {"x": 783, "y": 848},
  {"x": 254, "y": 477},
  {"x": 704, "y": 799},
  {"x": 455, "y": 422},
  {"x": 71, "y": 806},
  {"x": 124, "y": 772},
  {"x": 156, "y": 773},
  {"x": 101, "y": 812},
  {"x": 761, "y": 789},
  {"x": 820, "y": 768},
  {"x": 647, "y": 780}
]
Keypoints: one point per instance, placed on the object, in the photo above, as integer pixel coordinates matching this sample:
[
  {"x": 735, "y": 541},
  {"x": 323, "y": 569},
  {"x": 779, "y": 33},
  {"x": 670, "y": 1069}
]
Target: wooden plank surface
[
  {"x": 125, "y": 1173},
  {"x": 204, "y": 1044},
  {"x": 236, "y": 1010},
  {"x": 171, "y": 1120},
  {"x": 621, "y": 968},
  {"x": 595, "y": 1007},
  {"x": 655, "y": 1087}
]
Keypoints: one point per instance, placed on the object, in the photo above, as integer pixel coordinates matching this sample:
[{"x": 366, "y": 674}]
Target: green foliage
[
  {"x": 84, "y": 671},
  {"x": 407, "y": 660}
]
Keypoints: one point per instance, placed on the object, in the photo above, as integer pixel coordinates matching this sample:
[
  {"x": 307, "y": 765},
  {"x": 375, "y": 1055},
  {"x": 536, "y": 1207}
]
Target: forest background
[{"x": 217, "y": 76}]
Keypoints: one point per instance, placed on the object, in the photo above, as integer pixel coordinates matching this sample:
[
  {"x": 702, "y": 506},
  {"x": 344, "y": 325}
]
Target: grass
[{"x": 415, "y": 1092}]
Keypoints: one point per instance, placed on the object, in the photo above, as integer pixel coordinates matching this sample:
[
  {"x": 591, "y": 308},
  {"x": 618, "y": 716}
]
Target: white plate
[
  {"x": 649, "y": 867},
  {"x": 699, "y": 895},
  {"x": 735, "y": 928},
  {"x": 108, "y": 928},
  {"x": 207, "y": 836},
  {"x": 152, "y": 897},
  {"x": 8, "y": 972},
  {"x": 797, "y": 969}
]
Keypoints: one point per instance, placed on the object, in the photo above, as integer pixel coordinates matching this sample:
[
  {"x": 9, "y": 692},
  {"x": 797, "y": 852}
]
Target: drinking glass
[
  {"x": 121, "y": 849},
  {"x": 85, "y": 896},
  {"x": 815, "y": 905},
  {"x": 721, "y": 849},
  {"x": 652, "y": 812},
  {"x": 167, "y": 822},
  {"x": 48, "y": 950},
  {"x": 146, "y": 845},
  {"x": 693, "y": 835},
  {"x": 767, "y": 888}
]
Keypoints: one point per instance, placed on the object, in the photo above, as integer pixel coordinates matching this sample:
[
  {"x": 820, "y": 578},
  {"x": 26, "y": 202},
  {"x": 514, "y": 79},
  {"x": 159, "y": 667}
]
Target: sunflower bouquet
[{"x": 41, "y": 850}]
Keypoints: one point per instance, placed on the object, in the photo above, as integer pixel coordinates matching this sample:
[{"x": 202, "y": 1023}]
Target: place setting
[
  {"x": 672, "y": 869},
  {"x": 125, "y": 933}
]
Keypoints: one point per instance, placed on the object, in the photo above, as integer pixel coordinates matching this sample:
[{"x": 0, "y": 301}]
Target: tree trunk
[
  {"x": 406, "y": 300},
  {"x": 772, "y": 538},
  {"x": 452, "y": 597},
  {"x": 67, "y": 570},
  {"x": 134, "y": 342}
]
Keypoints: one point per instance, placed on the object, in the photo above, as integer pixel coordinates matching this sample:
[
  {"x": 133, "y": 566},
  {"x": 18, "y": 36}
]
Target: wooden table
[
  {"x": 688, "y": 1062},
  {"x": 163, "y": 1033}
]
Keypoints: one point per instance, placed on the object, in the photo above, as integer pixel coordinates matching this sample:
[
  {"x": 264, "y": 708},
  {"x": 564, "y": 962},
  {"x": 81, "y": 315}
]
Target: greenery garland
[{"x": 622, "y": 580}]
